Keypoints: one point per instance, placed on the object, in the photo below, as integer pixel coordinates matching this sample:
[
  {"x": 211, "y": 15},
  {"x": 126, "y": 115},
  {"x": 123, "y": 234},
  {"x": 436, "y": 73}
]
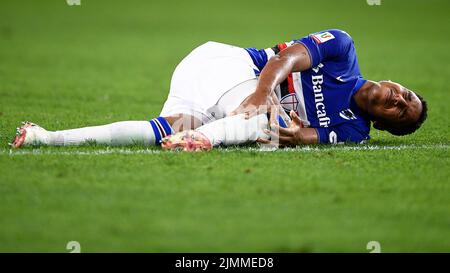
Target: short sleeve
[
  {"x": 345, "y": 132},
  {"x": 327, "y": 45}
]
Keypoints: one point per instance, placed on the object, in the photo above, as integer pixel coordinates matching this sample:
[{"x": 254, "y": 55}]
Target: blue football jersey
[{"x": 322, "y": 96}]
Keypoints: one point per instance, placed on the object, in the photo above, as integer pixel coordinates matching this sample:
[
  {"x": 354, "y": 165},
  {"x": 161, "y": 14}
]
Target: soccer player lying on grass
[{"x": 219, "y": 93}]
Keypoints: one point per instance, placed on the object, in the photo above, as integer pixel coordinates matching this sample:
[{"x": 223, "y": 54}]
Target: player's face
[{"x": 394, "y": 105}]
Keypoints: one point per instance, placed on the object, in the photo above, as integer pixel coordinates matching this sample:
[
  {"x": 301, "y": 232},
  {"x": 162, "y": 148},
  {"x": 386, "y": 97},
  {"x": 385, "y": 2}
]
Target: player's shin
[
  {"x": 235, "y": 130},
  {"x": 115, "y": 134},
  {"x": 118, "y": 133}
]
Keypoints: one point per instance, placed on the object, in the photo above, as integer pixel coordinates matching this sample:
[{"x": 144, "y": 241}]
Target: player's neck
[{"x": 362, "y": 96}]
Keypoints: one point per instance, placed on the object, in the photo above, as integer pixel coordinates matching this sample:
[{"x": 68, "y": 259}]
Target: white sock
[
  {"x": 235, "y": 130},
  {"x": 118, "y": 133}
]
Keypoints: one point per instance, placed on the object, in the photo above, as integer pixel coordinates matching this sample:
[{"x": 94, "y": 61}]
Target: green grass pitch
[{"x": 67, "y": 66}]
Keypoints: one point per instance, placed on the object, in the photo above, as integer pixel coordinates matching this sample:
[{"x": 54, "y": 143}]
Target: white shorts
[{"x": 210, "y": 82}]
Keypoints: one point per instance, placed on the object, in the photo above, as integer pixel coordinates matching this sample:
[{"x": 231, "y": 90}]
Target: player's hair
[{"x": 411, "y": 128}]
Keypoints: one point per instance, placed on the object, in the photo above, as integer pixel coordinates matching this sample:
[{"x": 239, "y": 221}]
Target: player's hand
[
  {"x": 253, "y": 105},
  {"x": 291, "y": 136}
]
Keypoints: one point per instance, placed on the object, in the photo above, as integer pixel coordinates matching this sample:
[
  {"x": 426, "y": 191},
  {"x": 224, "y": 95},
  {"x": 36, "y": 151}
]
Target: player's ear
[{"x": 379, "y": 125}]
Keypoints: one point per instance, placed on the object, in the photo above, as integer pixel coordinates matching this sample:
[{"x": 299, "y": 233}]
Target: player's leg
[
  {"x": 229, "y": 130},
  {"x": 117, "y": 133},
  {"x": 226, "y": 130},
  {"x": 177, "y": 115}
]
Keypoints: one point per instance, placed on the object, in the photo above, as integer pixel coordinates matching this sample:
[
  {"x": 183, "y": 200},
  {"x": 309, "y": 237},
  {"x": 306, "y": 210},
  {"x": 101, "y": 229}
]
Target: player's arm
[{"x": 292, "y": 59}]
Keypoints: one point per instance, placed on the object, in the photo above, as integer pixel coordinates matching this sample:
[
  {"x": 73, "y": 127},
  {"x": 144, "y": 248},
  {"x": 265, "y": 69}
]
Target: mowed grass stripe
[{"x": 306, "y": 149}]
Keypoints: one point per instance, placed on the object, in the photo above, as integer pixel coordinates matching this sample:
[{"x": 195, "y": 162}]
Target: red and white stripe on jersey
[{"x": 301, "y": 109}]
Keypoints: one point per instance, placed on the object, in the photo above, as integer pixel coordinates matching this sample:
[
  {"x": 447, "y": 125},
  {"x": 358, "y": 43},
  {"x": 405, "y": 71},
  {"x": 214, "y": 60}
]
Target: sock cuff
[{"x": 161, "y": 128}]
